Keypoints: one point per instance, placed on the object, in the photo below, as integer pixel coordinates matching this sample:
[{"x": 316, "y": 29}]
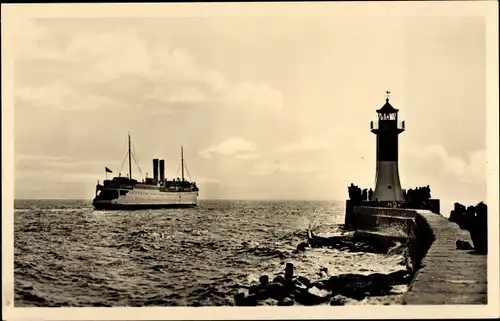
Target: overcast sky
[{"x": 274, "y": 108}]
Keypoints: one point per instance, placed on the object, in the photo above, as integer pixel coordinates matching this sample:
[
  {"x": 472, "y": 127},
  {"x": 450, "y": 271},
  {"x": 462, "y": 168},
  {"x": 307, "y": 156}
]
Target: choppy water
[{"x": 67, "y": 254}]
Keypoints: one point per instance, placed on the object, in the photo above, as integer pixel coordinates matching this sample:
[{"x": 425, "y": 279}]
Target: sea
[{"x": 68, "y": 254}]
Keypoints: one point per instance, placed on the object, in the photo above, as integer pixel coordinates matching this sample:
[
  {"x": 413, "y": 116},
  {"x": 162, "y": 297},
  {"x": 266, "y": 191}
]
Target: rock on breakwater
[
  {"x": 339, "y": 289},
  {"x": 357, "y": 241},
  {"x": 335, "y": 290}
]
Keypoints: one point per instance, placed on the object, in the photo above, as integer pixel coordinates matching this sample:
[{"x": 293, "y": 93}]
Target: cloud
[
  {"x": 307, "y": 144},
  {"x": 190, "y": 95},
  {"x": 247, "y": 156},
  {"x": 254, "y": 95},
  {"x": 207, "y": 180},
  {"x": 287, "y": 167},
  {"x": 327, "y": 140},
  {"x": 449, "y": 176},
  {"x": 263, "y": 169},
  {"x": 26, "y": 164},
  {"x": 29, "y": 37},
  {"x": 237, "y": 146},
  {"x": 470, "y": 171},
  {"x": 63, "y": 95},
  {"x": 295, "y": 157},
  {"x": 39, "y": 176},
  {"x": 120, "y": 69}
]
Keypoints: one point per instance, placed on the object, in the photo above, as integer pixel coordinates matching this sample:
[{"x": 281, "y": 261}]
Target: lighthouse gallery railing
[{"x": 376, "y": 124}]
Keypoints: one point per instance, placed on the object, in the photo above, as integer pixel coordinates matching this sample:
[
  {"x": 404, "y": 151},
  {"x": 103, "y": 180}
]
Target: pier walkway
[{"x": 448, "y": 275}]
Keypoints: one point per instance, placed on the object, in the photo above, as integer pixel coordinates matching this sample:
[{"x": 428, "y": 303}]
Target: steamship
[{"x": 124, "y": 193}]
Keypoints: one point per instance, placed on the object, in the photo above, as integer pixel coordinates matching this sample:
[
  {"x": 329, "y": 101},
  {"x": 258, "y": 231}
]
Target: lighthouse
[{"x": 387, "y": 130}]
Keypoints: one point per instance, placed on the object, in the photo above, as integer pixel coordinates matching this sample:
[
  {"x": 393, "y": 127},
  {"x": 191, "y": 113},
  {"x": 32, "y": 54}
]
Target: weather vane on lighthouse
[
  {"x": 387, "y": 95},
  {"x": 387, "y": 129}
]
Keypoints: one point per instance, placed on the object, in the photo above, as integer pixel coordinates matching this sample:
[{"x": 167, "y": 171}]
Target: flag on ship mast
[{"x": 107, "y": 170}]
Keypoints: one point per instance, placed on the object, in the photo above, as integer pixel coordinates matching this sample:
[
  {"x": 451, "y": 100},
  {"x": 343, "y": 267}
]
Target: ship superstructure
[{"x": 156, "y": 192}]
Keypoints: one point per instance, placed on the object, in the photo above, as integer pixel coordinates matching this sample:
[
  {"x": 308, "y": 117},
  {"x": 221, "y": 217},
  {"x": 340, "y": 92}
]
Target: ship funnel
[
  {"x": 162, "y": 170},
  {"x": 155, "y": 170}
]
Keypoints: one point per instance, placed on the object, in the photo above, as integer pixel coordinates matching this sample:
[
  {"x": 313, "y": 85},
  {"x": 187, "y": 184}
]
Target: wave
[{"x": 71, "y": 255}]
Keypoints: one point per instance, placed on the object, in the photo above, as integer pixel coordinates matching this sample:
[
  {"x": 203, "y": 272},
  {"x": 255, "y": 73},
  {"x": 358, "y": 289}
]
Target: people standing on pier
[
  {"x": 470, "y": 215},
  {"x": 479, "y": 232},
  {"x": 364, "y": 194},
  {"x": 409, "y": 195},
  {"x": 418, "y": 195},
  {"x": 355, "y": 193},
  {"x": 473, "y": 219},
  {"x": 457, "y": 215},
  {"x": 350, "y": 190}
]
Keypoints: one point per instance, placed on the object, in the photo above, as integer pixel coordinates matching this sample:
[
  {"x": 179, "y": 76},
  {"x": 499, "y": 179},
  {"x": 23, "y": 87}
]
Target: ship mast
[
  {"x": 129, "y": 159},
  {"x": 182, "y": 163}
]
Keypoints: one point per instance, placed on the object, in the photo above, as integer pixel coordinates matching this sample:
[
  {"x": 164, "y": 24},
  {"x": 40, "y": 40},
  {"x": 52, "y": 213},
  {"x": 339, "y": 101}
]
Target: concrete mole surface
[{"x": 448, "y": 275}]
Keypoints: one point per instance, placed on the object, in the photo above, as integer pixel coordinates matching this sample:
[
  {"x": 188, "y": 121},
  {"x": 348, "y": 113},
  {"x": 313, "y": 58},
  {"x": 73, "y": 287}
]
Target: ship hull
[
  {"x": 132, "y": 207},
  {"x": 146, "y": 199}
]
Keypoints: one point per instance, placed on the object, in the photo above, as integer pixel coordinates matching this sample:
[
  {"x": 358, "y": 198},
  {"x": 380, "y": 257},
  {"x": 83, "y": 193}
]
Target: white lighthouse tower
[{"x": 387, "y": 129}]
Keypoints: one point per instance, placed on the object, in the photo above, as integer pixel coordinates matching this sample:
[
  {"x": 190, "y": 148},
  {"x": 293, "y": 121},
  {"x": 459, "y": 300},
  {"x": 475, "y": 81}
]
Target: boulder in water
[
  {"x": 304, "y": 280},
  {"x": 250, "y": 300},
  {"x": 276, "y": 290},
  {"x": 262, "y": 294},
  {"x": 321, "y": 285},
  {"x": 279, "y": 279},
  {"x": 318, "y": 292},
  {"x": 264, "y": 279},
  {"x": 241, "y": 299},
  {"x": 399, "y": 277},
  {"x": 253, "y": 289},
  {"x": 338, "y": 300},
  {"x": 286, "y": 302},
  {"x": 312, "y": 296},
  {"x": 463, "y": 245},
  {"x": 302, "y": 247},
  {"x": 299, "y": 285},
  {"x": 238, "y": 298}
]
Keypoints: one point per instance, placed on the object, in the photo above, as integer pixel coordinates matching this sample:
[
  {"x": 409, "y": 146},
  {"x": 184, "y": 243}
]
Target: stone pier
[
  {"x": 443, "y": 274},
  {"x": 448, "y": 275}
]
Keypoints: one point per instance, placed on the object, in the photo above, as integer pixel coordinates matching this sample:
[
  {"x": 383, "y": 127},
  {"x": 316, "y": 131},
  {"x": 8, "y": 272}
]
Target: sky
[{"x": 266, "y": 108}]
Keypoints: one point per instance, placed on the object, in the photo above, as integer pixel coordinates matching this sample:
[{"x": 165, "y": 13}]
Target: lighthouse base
[
  {"x": 433, "y": 205},
  {"x": 387, "y": 185}
]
